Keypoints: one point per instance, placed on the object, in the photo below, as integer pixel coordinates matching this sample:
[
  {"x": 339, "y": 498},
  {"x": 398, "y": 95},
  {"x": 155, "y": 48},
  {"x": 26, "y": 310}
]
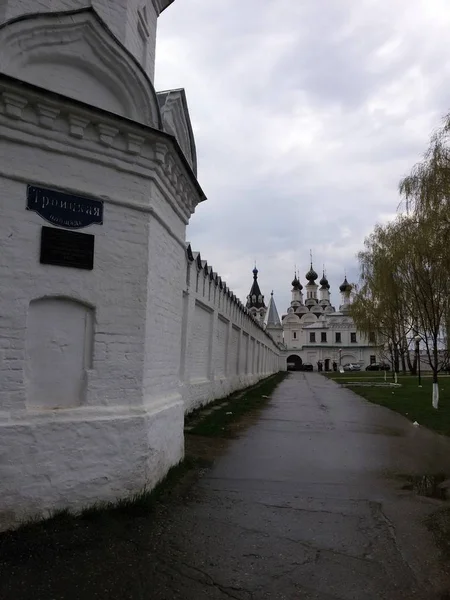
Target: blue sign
[{"x": 64, "y": 210}]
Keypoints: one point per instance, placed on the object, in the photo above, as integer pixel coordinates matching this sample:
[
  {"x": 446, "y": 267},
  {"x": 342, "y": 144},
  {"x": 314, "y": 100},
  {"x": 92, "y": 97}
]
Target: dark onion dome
[
  {"x": 324, "y": 282},
  {"x": 296, "y": 283},
  {"x": 345, "y": 286},
  {"x": 255, "y": 299},
  {"x": 311, "y": 275}
]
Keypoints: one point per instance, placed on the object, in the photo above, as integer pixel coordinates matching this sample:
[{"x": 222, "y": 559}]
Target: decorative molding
[
  {"x": 47, "y": 114},
  {"x": 160, "y": 152},
  {"x": 14, "y": 104},
  {"x": 135, "y": 143},
  {"x": 77, "y": 125},
  {"x": 50, "y": 49},
  {"x": 107, "y": 133},
  {"x": 176, "y": 122},
  {"x": 56, "y": 118}
]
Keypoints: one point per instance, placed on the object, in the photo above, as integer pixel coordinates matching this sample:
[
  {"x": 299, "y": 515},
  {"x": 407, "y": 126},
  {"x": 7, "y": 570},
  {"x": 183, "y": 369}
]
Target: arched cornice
[{"x": 75, "y": 54}]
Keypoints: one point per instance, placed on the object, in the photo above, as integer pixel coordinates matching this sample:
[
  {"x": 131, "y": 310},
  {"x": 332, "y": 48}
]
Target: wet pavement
[{"x": 307, "y": 503}]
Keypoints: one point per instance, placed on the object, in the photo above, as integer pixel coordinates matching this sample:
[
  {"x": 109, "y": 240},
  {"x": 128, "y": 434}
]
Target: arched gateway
[{"x": 294, "y": 363}]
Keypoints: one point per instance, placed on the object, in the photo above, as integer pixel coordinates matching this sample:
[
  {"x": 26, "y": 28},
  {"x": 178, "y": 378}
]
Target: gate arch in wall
[
  {"x": 348, "y": 358},
  {"x": 294, "y": 362},
  {"x": 59, "y": 350}
]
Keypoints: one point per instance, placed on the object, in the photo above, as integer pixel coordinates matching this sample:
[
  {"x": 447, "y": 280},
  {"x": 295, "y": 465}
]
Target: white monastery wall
[
  {"x": 90, "y": 405},
  {"x": 94, "y": 311},
  {"x": 223, "y": 348}
]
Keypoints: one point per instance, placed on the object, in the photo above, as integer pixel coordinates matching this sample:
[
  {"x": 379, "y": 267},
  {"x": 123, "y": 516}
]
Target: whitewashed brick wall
[
  {"x": 122, "y": 427},
  {"x": 221, "y": 343},
  {"x": 199, "y": 343},
  {"x": 127, "y": 429},
  {"x": 223, "y": 347},
  {"x": 121, "y": 16}
]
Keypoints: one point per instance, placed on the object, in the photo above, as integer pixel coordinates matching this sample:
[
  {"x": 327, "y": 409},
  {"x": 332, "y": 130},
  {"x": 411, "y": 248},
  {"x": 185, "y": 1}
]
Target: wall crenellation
[
  {"x": 224, "y": 294},
  {"x": 224, "y": 347}
]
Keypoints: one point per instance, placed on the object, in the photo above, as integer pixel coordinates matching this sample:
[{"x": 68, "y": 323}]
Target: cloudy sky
[{"x": 306, "y": 115}]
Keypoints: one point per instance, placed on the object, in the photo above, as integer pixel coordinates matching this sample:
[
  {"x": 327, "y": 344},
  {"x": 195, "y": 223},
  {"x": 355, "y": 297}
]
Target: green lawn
[{"x": 409, "y": 400}]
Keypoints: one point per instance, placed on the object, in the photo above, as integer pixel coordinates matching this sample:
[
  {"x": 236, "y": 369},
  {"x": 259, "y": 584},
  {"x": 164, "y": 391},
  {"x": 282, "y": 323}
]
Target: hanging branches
[{"x": 405, "y": 265}]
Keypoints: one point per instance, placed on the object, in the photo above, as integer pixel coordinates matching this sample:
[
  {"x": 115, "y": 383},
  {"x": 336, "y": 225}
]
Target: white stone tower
[
  {"x": 133, "y": 22},
  {"x": 255, "y": 300}
]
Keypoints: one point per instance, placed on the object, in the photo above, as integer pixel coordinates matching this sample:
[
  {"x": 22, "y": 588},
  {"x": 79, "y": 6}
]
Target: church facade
[{"x": 313, "y": 332}]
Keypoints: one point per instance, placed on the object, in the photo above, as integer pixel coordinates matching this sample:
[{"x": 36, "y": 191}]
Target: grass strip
[
  {"x": 408, "y": 399},
  {"x": 227, "y": 411}
]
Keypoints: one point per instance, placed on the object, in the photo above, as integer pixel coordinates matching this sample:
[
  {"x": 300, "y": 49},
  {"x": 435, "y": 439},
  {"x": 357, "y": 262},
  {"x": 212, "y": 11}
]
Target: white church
[{"x": 313, "y": 332}]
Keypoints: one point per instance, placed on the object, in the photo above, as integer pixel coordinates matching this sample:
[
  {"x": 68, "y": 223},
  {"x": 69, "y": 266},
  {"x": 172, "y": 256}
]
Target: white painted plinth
[{"x": 80, "y": 457}]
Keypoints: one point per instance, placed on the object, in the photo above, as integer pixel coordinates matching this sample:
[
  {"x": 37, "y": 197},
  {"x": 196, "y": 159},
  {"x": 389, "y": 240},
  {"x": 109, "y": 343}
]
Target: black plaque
[
  {"x": 64, "y": 210},
  {"x": 67, "y": 248}
]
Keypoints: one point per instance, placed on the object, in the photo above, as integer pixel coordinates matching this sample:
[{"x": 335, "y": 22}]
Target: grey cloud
[{"x": 306, "y": 118}]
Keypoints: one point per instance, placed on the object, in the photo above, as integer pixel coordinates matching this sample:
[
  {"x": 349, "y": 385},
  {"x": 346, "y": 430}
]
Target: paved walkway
[
  {"x": 304, "y": 505},
  {"x": 301, "y": 506}
]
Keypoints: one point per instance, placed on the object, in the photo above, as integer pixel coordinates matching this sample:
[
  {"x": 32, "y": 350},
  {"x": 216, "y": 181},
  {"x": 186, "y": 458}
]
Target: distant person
[{"x": 334, "y": 366}]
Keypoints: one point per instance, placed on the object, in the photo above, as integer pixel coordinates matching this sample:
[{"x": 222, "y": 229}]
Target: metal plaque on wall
[
  {"x": 64, "y": 210},
  {"x": 67, "y": 248}
]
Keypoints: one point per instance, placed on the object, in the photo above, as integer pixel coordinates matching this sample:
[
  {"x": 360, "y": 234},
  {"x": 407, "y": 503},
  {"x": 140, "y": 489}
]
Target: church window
[
  {"x": 294, "y": 335},
  {"x": 353, "y": 337},
  {"x": 372, "y": 338},
  {"x": 338, "y": 337},
  {"x": 323, "y": 336},
  {"x": 312, "y": 337}
]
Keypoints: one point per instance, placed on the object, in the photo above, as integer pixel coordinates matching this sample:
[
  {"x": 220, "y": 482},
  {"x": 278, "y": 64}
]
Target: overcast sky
[{"x": 306, "y": 114}]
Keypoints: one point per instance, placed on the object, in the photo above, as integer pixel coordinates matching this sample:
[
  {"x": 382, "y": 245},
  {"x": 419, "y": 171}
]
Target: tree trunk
[
  {"x": 396, "y": 359},
  {"x": 403, "y": 363},
  {"x": 412, "y": 366},
  {"x": 435, "y": 399}
]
